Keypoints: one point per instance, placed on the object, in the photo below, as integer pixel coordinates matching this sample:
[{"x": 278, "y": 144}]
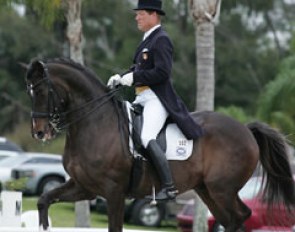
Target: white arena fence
[
  {"x": 28, "y": 229},
  {"x": 10, "y": 208},
  {"x": 14, "y": 229}
]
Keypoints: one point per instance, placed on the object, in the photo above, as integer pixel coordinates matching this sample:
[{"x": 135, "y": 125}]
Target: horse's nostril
[{"x": 40, "y": 134}]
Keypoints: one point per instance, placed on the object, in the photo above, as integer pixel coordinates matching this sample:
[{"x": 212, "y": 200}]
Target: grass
[{"x": 63, "y": 215}]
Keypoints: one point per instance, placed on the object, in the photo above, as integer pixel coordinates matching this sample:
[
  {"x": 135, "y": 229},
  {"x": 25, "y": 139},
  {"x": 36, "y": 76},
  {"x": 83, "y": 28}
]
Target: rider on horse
[{"x": 151, "y": 76}]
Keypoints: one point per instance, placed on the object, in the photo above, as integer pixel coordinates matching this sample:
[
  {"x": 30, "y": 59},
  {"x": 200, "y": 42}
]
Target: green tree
[
  {"x": 15, "y": 29},
  {"x": 250, "y": 43},
  {"x": 276, "y": 103},
  {"x": 111, "y": 36},
  {"x": 235, "y": 112}
]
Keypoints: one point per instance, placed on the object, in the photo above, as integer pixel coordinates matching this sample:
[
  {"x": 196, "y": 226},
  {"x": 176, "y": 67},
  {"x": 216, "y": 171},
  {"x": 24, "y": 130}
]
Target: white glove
[
  {"x": 113, "y": 81},
  {"x": 127, "y": 79}
]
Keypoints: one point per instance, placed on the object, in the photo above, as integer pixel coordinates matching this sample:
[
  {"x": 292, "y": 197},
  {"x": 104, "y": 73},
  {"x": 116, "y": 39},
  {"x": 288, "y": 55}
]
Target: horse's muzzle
[{"x": 42, "y": 131}]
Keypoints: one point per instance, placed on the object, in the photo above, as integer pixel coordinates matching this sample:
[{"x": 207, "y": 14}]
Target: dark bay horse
[{"x": 66, "y": 95}]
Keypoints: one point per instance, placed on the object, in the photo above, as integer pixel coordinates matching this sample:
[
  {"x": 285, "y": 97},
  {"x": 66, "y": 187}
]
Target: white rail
[
  {"x": 15, "y": 229},
  {"x": 32, "y": 229}
]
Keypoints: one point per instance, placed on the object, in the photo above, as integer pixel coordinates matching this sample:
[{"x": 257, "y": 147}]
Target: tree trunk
[
  {"x": 205, "y": 66},
  {"x": 74, "y": 35},
  {"x": 82, "y": 212},
  {"x": 204, "y": 13},
  {"x": 74, "y": 29}
]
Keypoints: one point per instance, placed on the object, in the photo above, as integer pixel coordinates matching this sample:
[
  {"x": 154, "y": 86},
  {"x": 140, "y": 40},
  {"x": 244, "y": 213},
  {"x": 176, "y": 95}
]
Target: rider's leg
[
  {"x": 168, "y": 190},
  {"x": 154, "y": 117}
]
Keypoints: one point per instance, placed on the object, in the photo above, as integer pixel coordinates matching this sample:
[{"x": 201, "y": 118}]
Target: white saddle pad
[{"x": 177, "y": 146}]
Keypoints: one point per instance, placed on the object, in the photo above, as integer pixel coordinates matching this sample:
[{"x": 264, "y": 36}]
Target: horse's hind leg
[
  {"x": 239, "y": 213},
  {"x": 229, "y": 204},
  {"x": 228, "y": 210},
  {"x": 244, "y": 210},
  {"x": 68, "y": 192},
  {"x": 219, "y": 213}
]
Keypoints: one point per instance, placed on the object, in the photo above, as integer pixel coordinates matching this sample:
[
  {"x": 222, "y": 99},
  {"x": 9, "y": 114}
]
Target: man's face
[{"x": 146, "y": 20}]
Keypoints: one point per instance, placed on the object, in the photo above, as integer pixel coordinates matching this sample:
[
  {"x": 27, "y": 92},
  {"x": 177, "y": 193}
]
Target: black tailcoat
[{"x": 152, "y": 67}]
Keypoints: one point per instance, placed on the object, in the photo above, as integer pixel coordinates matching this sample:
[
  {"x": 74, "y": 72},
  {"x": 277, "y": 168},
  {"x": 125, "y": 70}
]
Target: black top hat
[{"x": 154, "y": 5}]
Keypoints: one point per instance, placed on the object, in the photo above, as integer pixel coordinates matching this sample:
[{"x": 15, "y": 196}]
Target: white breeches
[{"x": 154, "y": 115}]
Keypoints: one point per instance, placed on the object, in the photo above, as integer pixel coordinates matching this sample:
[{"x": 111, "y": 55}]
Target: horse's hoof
[{"x": 41, "y": 229}]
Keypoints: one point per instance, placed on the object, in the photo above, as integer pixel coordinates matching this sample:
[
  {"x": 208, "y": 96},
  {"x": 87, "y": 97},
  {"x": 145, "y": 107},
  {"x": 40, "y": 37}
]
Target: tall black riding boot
[{"x": 168, "y": 191}]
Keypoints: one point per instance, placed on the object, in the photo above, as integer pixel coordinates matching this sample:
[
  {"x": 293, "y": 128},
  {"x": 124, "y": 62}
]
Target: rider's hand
[
  {"x": 127, "y": 79},
  {"x": 114, "y": 81}
]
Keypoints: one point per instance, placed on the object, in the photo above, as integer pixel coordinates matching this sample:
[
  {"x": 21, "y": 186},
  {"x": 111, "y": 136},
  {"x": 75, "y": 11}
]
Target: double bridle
[{"x": 55, "y": 114}]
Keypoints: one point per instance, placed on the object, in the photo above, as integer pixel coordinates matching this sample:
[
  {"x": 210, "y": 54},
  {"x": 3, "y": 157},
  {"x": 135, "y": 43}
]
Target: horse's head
[
  {"x": 63, "y": 93},
  {"x": 46, "y": 102}
]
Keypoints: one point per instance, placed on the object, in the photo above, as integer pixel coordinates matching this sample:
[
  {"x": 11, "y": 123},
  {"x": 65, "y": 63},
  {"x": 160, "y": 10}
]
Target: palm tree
[
  {"x": 204, "y": 14},
  {"x": 74, "y": 29}
]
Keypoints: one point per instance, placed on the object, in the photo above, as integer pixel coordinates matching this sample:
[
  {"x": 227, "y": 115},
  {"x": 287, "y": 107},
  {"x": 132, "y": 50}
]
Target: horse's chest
[
  {"x": 82, "y": 171},
  {"x": 76, "y": 170}
]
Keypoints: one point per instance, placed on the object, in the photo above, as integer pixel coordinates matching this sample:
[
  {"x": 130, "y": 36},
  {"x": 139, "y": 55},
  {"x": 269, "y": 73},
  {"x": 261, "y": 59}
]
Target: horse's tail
[{"x": 277, "y": 175}]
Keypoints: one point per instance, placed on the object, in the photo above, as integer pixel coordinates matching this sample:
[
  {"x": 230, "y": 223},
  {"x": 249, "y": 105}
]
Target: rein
[{"x": 101, "y": 100}]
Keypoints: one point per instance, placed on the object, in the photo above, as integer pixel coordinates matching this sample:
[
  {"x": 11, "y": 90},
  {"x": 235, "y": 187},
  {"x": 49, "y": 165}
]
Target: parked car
[
  {"x": 41, "y": 172},
  {"x": 7, "y": 145},
  {"x": 260, "y": 217},
  {"x": 141, "y": 212},
  {"x": 273, "y": 229},
  {"x": 5, "y": 154}
]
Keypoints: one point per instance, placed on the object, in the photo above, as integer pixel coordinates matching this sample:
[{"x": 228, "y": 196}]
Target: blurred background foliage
[{"x": 255, "y": 57}]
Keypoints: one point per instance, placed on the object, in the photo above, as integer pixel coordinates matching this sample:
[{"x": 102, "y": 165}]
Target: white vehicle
[
  {"x": 42, "y": 174},
  {"x": 7, "y": 145},
  {"x": 7, "y": 165},
  {"x": 5, "y": 154}
]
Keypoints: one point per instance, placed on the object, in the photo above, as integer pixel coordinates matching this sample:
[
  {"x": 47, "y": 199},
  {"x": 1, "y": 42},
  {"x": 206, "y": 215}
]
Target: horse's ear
[{"x": 37, "y": 69}]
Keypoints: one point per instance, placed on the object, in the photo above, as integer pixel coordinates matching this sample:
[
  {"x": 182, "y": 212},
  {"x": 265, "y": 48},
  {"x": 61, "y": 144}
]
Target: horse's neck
[
  {"x": 98, "y": 118},
  {"x": 92, "y": 138},
  {"x": 82, "y": 89},
  {"x": 86, "y": 104}
]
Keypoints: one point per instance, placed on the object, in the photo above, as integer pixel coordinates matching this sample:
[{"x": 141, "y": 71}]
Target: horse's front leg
[
  {"x": 115, "y": 206},
  {"x": 68, "y": 192}
]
